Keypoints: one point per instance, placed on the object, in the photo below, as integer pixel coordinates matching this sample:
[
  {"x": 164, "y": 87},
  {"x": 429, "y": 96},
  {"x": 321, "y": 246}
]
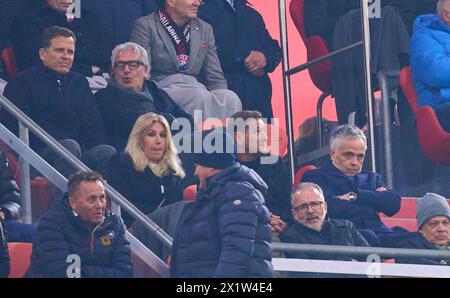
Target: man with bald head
[{"x": 430, "y": 61}]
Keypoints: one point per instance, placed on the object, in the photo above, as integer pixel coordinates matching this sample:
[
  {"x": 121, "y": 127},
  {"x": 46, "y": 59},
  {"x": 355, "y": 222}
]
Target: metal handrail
[
  {"x": 287, "y": 87},
  {"x": 365, "y": 42},
  {"x": 359, "y": 251}
]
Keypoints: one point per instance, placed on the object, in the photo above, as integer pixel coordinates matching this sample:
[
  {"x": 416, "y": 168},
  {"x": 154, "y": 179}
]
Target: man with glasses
[
  {"x": 353, "y": 194},
  {"x": 433, "y": 221},
  {"x": 312, "y": 226},
  {"x": 131, "y": 93}
]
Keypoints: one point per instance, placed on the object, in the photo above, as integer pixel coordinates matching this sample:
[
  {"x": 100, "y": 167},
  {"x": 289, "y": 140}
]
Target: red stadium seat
[
  {"x": 190, "y": 192},
  {"x": 299, "y": 174},
  {"x": 10, "y": 61},
  {"x": 433, "y": 139},
  {"x": 315, "y": 48},
  {"x": 20, "y": 255}
]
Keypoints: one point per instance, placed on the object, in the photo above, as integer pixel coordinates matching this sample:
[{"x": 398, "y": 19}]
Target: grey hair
[
  {"x": 133, "y": 47},
  {"x": 303, "y": 186},
  {"x": 343, "y": 132}
]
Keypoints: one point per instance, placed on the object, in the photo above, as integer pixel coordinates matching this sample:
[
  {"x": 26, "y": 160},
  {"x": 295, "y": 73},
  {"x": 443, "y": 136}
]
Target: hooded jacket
[
  {"x": 103, "y": 251},
  {"x": 226, "y": 231},
  {"x": 430, "y": 60}
]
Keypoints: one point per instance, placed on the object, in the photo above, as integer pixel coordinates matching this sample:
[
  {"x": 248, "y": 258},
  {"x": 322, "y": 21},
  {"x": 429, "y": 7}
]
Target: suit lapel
[
  {"x": 195, "y": 43},
  {"x": 166, "y": 40}
]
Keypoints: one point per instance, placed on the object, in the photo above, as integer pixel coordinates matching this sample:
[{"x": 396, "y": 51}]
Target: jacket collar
[
  {"x": 356, "y": 181},
  {"x": 214, "y": 181}
]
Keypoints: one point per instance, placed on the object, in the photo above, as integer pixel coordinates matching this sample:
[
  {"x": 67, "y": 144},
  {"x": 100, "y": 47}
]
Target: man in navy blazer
[{"x": 353, "y": 194}]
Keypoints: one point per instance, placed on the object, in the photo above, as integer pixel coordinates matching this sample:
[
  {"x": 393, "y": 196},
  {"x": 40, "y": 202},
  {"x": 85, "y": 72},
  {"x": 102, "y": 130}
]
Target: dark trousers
[
  {"x": 443, "y": 115},
  {"x": 95, "y": 158}
]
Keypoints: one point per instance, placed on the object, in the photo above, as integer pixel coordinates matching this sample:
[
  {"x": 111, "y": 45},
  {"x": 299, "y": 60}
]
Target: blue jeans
[{"x": 17, "y": 231}]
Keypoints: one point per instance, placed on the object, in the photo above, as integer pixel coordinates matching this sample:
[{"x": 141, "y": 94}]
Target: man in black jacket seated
[
  {"x": 314, "y": 227},
  {"x": 78, "y": 237},
  {"x": 60, "y": 102},
  {"x": 433, "y": 221},
  {"x": 131, "y": 94}
]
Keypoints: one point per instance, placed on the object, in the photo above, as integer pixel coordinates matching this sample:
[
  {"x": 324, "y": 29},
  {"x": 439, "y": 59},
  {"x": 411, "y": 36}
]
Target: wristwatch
[{"x": 352, "y": 196}]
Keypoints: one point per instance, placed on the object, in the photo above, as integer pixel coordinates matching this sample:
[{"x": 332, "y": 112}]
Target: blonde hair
[{"x": 168, "y": 163}]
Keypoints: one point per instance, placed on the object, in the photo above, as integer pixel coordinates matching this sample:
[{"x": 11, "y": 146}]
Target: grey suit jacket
[{"x": 203, "y": 63}]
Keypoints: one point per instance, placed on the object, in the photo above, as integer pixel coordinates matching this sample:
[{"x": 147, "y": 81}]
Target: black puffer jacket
[{"x": 9, "y": 192}]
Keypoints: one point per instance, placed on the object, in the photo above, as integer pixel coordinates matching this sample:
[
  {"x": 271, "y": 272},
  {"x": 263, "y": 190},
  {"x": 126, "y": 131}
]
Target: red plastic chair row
[
  {"x": 433, "y": 139},
  {"x": 10, "y": 61}
]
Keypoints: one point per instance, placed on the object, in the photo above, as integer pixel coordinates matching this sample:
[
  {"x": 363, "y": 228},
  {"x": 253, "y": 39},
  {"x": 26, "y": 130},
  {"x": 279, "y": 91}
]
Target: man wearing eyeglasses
[
  {"x": 131, "y": 93},
  {"x": 353, "y": 194},
  {"x": 312, "y": 226}
]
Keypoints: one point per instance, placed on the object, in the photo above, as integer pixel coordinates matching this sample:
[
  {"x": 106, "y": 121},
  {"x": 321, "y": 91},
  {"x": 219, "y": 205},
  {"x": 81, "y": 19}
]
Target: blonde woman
[{"x": 148, "y": 173}]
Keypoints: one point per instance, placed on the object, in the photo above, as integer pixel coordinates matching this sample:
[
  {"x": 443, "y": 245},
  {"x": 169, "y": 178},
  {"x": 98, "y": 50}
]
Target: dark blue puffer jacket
[
  {"x": 104, "y": 252},
  {"x": 226, "y": 231}
]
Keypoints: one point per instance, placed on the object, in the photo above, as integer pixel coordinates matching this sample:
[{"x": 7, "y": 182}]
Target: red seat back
[
  {"x": 433, "y": 139},
  {"x": 315, "y": 47},
  {"x": 299, "y": 174},
  {"x": 10, "y": 61},
  {"x": 190, "y": 192},
  {"x": 20, "y": 255},
  {"x": 408, "y": 88}
]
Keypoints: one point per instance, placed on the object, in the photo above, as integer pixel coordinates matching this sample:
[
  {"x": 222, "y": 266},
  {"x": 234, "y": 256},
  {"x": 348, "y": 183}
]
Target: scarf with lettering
[{"x": 180, "y": 38}]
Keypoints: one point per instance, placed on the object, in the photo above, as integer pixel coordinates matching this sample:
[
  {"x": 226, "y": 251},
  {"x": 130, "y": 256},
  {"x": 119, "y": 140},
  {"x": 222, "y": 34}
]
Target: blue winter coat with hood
[
  {"x": 430, "y": 60},
  {"x": 226, "y": 232}
]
